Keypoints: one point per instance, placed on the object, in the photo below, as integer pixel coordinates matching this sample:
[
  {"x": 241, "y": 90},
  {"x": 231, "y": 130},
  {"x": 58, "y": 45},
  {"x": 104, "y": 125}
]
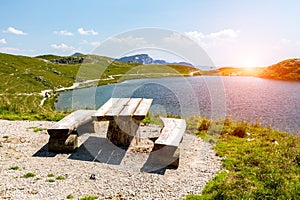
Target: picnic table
[{"x": 124, "y": 116}]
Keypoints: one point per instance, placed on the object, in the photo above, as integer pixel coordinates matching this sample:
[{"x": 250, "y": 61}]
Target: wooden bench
[
  {"x": 63, "y": 135},
  {"x": 167, "y": 143}
]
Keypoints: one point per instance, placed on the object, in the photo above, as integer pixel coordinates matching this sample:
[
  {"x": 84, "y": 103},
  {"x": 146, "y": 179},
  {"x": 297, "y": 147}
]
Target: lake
[{"x": 271, "y": 102}]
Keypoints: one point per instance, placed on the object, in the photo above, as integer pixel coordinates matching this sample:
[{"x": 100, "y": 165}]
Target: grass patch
[
  {"x": 5, "y": 136},
  {"x": 37, "y": 129},
  {"x": 29, "y": 175},
  {"x": 50, "y": 180},
  {"x": 60, "y": 178},
  {"x": 260, "y": 163},
  {"x": 13, "y": 168},
  {"x": 70, "y": 196},
  {"x": 50, "y": 175},
  {"x": 89, "y": 198}
]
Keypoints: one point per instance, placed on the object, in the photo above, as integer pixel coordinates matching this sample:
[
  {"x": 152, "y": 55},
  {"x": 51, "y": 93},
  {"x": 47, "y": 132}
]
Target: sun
[{"x": 249, "y": 63}]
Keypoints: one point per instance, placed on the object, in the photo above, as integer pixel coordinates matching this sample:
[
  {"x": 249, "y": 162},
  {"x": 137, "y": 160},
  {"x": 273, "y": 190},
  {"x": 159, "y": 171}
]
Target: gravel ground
[{"x": 118, "y": 174}]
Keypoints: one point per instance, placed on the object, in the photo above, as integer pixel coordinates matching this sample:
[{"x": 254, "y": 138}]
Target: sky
[{"x": 231, "y": 32}]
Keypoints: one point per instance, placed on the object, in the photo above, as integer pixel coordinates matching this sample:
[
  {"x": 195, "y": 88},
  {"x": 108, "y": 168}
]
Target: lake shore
[{"x": 25, "y": 149}]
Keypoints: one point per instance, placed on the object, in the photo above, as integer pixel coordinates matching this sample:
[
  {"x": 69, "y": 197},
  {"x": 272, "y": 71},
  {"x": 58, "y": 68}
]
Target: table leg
[{"x": 122, "y": 130}]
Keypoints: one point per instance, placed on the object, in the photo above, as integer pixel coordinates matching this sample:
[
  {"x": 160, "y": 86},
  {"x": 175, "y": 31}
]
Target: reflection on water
[{"x": 270, "y": 102}]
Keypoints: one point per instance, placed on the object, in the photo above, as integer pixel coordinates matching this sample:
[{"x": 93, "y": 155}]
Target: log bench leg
[
  {"x": 65, "y": 144},
  {"x": 122, "y": 130},
  {"x": 166, "y": 155}
]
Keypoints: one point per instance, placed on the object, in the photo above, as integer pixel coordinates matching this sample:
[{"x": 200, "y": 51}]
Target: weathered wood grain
[
  {"x": 71, "y": 122},
  {"x": 172, "y": 132}
]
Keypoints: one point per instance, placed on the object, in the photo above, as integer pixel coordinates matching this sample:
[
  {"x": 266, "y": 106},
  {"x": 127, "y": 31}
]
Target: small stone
[{"x": 93, "y": 177}]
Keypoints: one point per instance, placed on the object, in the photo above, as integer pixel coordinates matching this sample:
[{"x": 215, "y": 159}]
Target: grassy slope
[
  {"x": 285, "y": 70},
  {"x": 260, "y": 163},
  {"x": 228, "y": 71},
  {"x": 20, "y": 74},
  {"x": 23, "y": 78}
]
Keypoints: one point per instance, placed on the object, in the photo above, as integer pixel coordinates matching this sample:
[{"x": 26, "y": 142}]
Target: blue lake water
[{"x": 270, "y": 102}]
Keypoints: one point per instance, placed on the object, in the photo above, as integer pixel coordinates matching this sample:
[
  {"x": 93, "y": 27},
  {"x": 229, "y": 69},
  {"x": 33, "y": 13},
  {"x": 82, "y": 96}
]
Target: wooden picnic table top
[{"x": 136, "y": 108}]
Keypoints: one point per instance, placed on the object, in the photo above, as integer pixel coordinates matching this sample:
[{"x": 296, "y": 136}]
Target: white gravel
[{"x": 117, "y": 172}]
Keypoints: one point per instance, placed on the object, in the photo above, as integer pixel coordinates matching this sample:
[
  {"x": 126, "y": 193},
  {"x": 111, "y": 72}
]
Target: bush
[
  {"x": 203, "y": 125},
  {"x": 239, "y": 132}
]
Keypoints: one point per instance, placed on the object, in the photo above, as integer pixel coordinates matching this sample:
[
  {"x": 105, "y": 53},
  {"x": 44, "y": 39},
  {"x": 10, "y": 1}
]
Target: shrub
[
  {"x": 203, "y": 125},
  {"x": 70, "y": 196},
  {"x": 239, "y": 132}
]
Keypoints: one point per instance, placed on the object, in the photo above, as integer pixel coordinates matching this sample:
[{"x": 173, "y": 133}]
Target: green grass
[
  {"x": 5, "y": 136},
  {"x": 29, "y": 175},
  {"x": 50, "y": 180},
  {"x": 50, "y": 175},
  {"x": 60, "y": 178},
  {"x": 70, "y": 196},
  {"x": 36, "y": 129},
  {"x": 261, "y": 163},
  {"x": 13, "y": 168},
  {"x": 89, "y": 198}
]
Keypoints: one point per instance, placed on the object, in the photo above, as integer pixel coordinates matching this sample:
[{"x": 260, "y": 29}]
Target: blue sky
[{"x": 231, "y": 32}]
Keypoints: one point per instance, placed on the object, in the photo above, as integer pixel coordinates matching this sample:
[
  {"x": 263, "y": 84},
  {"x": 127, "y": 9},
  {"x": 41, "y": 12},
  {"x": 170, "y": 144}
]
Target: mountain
[
  {"x": 146, "y": 59},
  {"x": 77, "y": 54},
  {"x": 284, "y": 70},
  {"x": 140, "y": 58}
]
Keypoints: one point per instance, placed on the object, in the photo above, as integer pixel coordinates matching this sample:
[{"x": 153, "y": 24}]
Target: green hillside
[
  {"x": 21, "y": 74},
  {"x": 285, "y": 70},
  {"x": 23, "y": 78}
]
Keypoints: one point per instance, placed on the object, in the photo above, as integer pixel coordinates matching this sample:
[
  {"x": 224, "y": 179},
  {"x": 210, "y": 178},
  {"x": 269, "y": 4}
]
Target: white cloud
[
  {"x": 81, "y": 31},
  {"x": 226, "y": 35},
  {"x": 10, "y": 50},
  {"x": 15, "y": 31},
  {"x": 3, "y": 41},
  {"x": 63, "y": 47},
  {"x": 63, "y": 32}
]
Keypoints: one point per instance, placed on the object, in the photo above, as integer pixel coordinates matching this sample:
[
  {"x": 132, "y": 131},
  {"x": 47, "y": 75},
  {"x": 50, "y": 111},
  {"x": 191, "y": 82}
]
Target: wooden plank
[
  {"x": 172, "y": 132},
  {"x": 143, "y": 107},
  {"x": 131, "y": 106},
  {"x": 106, "y": 107},
  {"x": 72, "y": 121},
  {"x": 117, "y": 107}
]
